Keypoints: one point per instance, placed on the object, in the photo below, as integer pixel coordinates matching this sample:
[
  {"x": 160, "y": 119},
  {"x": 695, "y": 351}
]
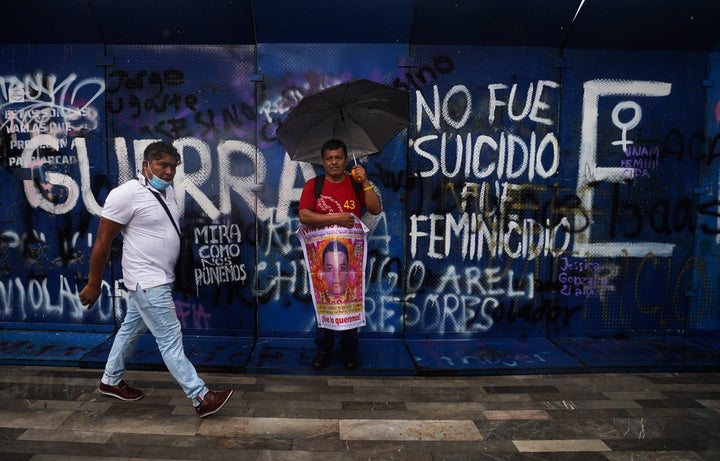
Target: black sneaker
[
  {"x": 320, "y": 361},
  {"x": 350, "y": 362},
  {"x": 121, "y": 391}
]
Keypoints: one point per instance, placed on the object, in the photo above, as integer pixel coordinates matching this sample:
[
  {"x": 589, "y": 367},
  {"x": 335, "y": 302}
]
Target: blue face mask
[{"x": 158, "y": 183}]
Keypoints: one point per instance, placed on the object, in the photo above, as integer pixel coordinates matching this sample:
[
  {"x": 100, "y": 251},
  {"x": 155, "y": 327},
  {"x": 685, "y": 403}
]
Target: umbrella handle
[
  {"x": 355, "y": 177},
  {"x": 352, "y": 170}
]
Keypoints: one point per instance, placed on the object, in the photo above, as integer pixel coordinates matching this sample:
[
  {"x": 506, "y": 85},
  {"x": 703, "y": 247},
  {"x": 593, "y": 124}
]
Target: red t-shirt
[{"x": 334, "y": 198}]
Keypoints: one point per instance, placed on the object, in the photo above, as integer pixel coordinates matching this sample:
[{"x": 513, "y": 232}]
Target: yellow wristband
[{"x": 367, "y": 188}]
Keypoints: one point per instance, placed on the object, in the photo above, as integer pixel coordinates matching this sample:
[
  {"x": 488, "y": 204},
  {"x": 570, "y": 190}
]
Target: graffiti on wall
[
  {"x": 45, "y": 123},
  {"x": 503, "y": 225},
  {"x": 498, "y": 208}
]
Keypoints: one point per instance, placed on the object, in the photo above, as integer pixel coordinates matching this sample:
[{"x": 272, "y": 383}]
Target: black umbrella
[{"x": 364, "y": 114}]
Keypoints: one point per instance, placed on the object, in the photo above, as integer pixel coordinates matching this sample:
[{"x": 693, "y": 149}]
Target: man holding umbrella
[
  {"x": 338, "y": 203},
  {"x": 367, "y": 115}
]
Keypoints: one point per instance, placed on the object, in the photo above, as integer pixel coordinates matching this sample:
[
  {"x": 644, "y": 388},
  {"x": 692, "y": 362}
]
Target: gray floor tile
[{"x": 57, "y": 414}]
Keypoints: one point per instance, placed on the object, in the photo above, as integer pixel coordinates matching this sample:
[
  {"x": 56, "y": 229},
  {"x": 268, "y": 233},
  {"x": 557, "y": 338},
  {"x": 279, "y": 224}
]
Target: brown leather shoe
[
  {"x": 121, "y": 391},
  {"x": 212, "y": 402}
]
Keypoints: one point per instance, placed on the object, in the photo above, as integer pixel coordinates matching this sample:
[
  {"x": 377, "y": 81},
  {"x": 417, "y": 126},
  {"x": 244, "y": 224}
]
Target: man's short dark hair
[
  {"x": 157, "y": 149},
  {"x": 333, "y": 144}
]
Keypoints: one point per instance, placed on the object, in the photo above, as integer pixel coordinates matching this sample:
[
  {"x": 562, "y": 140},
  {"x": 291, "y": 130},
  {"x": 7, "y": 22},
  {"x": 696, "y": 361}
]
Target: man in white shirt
[{"x": 151, "y": 243}]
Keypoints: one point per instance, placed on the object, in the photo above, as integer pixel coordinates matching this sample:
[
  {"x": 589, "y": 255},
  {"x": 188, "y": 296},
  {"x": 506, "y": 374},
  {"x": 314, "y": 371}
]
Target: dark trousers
[{"x": 325, "y": 338}]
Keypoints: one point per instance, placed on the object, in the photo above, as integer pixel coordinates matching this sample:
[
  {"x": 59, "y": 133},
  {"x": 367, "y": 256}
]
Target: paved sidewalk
[{"x": 55, "y": 413}]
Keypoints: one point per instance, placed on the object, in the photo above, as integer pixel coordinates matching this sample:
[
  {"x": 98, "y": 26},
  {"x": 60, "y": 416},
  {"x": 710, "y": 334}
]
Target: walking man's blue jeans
[{"x": 153, "y": 309}]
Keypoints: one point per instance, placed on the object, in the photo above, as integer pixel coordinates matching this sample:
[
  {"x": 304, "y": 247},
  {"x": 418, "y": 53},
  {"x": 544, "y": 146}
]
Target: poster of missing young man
[{"x": 335, "y": 257}]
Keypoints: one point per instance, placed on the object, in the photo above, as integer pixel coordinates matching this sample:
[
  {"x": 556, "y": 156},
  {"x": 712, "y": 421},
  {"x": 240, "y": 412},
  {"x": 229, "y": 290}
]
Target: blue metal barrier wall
[
  {"x": 204, "y": 99},
  {"x": 539, "y": 211},
  {"x": 290, "y": 72},
  {"x": 54, "y": 178},
  {"x": 705, "y": 290}
]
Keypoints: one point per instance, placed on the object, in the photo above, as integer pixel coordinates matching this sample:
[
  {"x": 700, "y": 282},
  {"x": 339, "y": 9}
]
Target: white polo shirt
[{"x": 150, "y": 243}]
